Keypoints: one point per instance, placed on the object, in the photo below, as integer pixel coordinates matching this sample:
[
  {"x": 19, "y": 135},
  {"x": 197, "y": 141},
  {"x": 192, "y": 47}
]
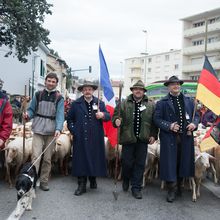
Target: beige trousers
[{"x": 40, "y": 142}]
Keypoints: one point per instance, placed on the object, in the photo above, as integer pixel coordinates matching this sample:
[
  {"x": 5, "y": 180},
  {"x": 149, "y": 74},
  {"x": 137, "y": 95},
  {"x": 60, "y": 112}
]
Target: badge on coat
[
  {"x": 95, "y": 107},
  {"x": 187, "y": 116},
  {"x": 142, "y": 108}
]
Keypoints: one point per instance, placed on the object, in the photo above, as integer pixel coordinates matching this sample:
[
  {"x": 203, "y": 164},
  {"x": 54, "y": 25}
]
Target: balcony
[
  {"x": 193, "y": 50},
  {"x": 200, "y": 31},
  {"x": 135, "y": 75},
  {"x": 198, "y": 67}
]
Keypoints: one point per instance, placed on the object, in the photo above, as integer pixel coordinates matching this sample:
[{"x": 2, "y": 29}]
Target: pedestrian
[
  {"x": 47, "y": 111},
  {"x": 67, "y": 104},
  {"x": 174, "y": 117},
  {"x": 85, "y": 122},
  {"x": 6, "y": 118},
  {"x": 208, "y": 118},
  {"x": 137, "y": 130}
]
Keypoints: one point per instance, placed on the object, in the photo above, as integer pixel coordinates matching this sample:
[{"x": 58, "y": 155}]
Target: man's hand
[
  {"x": 99, "y": 115},
  {"x": 25, "y": 116},
  {"x": 1, "y": 144},
  {"x": 151, "y": 140},
  {"x": 57, "y": 134},
  {"x": 118, "y": 122},
  {"x": 174, "y": 127},
  {"x": 191, "y": 127}
]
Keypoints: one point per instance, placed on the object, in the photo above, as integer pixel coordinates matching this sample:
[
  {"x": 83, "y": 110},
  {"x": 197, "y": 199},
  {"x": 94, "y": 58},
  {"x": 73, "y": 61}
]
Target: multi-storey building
[
  {"x": 193, "y": 43},
  {"x": 151, "y": 68}
]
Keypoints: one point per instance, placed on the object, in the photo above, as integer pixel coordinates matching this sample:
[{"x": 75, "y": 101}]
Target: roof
[{"x": 202, "y": 15}]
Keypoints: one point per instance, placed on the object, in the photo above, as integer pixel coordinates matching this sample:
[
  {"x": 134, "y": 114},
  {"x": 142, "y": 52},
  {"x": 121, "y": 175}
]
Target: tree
[
  {"x": 68, "y": 79},
  {"x": 53, "y": 52},
  {"x": 21, "y": 26}
]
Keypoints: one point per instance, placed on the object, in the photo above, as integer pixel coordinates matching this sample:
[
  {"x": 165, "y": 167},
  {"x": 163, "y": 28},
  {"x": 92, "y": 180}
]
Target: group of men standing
[{"x": 139, "y": 120}]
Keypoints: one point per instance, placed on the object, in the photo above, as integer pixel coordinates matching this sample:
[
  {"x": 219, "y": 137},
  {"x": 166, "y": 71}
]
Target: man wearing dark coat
[
  {"x": 85, "y": 122},
  {"x": 137, "y": 130},
  {"x": 174, "y": 116}
]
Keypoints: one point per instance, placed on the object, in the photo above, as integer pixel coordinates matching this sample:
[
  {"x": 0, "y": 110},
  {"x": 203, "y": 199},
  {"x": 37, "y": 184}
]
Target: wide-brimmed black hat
[
  {"x": 87, "y": 84},
  {"x": 139, "y": 84},
  {"x": 173, "y": 79}
]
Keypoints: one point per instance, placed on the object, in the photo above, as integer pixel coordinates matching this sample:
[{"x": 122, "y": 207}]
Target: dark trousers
[
  {"x": 133, "y": 163},
  {"x": 179, "y": 149}
]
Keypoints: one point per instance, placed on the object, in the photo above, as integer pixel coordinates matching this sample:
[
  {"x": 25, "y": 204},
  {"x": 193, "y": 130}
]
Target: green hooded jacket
[{"x": 148, "y": 129}]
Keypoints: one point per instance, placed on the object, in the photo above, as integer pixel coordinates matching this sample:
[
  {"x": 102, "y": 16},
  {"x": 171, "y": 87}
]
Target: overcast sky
[{"x": 78, "y": 27}]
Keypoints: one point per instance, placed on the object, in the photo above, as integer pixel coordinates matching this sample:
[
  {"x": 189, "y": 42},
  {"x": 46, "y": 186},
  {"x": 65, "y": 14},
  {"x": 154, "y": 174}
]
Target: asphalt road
[{"x": 60, "y": 203}]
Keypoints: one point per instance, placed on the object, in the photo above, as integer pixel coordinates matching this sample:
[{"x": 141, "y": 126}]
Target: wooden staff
[
  {"x": 115, "y": 193},
  {"x": 24, "y": 110}
]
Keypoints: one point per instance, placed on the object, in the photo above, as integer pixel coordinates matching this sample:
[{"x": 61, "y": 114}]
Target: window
[
  {"x": 149, "y": 70},
  {"x": 199, "y": 24},
  {"x": 142, "y": 61},
  {"x": 194, "y": 77},
  {"x": 176, "y": 66},
  {"x": 197, "y": 42},
  {"x": 211, "y": 40},
  {"x": 42, "y": 68},
  {"x": 149, "y": 60},
  {"x": 211, "y": 21},
  {"x": 167, "y": 57}
]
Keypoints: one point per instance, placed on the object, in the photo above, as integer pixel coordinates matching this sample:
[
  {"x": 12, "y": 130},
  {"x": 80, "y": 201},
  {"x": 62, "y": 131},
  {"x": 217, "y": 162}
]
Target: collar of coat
[
  {"x": 81, "y": 99},
  {"x": 167, "y": 97},
  {"x": 130, "y": 98}
]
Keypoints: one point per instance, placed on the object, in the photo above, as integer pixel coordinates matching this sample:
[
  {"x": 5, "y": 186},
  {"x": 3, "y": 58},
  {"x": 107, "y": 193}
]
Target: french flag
[{"x": 108, "y": 98}]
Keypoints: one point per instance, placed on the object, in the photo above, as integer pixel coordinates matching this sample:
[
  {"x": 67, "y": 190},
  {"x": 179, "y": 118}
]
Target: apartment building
[
  {"x": 193, "y": 43},
  {"x": 151, "y": 68}
]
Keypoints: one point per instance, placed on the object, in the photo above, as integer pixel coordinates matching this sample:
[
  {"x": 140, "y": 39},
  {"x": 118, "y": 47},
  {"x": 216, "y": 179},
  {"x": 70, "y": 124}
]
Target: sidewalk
[{"x": 210, "y": 185}]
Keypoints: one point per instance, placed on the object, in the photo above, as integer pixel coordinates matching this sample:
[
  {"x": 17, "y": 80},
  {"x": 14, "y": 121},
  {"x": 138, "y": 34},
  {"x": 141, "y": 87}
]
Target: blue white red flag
[{"x": 108, "y": 98}]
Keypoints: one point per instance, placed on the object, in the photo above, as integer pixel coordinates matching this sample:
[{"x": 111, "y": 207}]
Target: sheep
[
  {"x": 202, "y": 163},
  {"x": 62, "y": 152},
  {"x": 14, "y": 155},
  {"x": 152, "y": 163}
]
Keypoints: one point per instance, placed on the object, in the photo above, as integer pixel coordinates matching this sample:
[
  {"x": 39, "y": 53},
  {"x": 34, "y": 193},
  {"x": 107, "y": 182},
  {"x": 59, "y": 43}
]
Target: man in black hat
[
  {"x": 84, "y": 121},
  {"x": 137, "y": 130},
  {"x": 174, "y": 117}
]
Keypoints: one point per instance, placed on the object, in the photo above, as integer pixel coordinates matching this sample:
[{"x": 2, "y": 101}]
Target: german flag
[
  {"x": 208, "y": 90},
  {"x": 208, "y": 142}
]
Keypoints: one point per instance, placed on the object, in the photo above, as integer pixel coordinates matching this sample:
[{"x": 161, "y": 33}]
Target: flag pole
[
  {"x": 205, "y": 52},
  {"x": 99, "y": 85}
]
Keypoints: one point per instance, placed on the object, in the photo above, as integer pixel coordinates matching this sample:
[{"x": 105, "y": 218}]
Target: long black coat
[
  {"x": 164, "y": 116},
  {"x": 88, "y": 139}
]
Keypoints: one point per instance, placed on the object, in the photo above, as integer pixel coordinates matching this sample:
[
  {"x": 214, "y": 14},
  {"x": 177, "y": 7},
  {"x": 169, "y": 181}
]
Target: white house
[{"x": 16, "y": 74}]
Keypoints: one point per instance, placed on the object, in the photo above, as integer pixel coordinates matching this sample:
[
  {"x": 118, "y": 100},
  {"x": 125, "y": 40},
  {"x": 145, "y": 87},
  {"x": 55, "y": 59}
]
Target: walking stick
[
  {"x": 24, "y": 110},
  {"x": 115, "y": 193}
]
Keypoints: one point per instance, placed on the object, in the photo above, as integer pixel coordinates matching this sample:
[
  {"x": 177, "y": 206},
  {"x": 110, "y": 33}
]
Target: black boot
[
  {"x": 125, "y": 184},
  {"x": 137, "y": 194},
  {"x": 93, "y": 183},
  {"x": 81, "y": 186},
  {"x": 171, "y": 194},
  {"x": 179, "y": 187}
]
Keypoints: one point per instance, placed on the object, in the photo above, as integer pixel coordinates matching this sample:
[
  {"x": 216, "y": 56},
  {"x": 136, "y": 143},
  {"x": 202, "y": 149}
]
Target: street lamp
[{"x": 145, "y": 60}]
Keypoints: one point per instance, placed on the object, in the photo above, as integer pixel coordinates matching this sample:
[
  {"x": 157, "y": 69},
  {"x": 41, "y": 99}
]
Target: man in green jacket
[{"x": 137, "y": 130}]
